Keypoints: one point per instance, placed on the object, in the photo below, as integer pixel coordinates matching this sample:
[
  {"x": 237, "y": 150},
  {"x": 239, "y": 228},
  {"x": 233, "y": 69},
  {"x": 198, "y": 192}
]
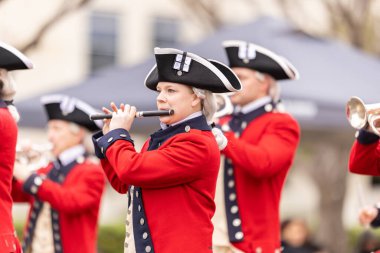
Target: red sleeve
[
  {"x": 273, "y": 152},
  {"x": 114, "y": 180},
  {"x": 18, "y": 194},
  {"x": 365, "y": 159},
  {"x": 179, "y": 160},
  {"x": 82, "y": 195}
]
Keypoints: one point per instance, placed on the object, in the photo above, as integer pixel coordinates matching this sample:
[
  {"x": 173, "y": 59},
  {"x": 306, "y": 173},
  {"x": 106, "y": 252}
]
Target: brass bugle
[
  {"x": 361, "y": 115},
  {"x": 26, "y": 153},
  {"x": 139, "y": 114},
  {"x": 223, "y": 104}
]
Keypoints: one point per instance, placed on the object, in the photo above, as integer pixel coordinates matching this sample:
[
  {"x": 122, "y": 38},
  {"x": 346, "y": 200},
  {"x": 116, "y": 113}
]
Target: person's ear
[
  {"x": 265, "y": 84},
  {"x": 81, "y": 134},
  {"x": 196, "y": 101}
]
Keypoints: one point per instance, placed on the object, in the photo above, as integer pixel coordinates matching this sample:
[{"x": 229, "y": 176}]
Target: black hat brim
[
  {"x": 78, "y": 114},
  {"x": 265, "y": 61},
  {"x": 203, "y": 74},
  {"x": 12, "y": 59}
]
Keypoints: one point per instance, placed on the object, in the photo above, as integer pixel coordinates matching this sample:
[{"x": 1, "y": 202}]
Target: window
[
  {"x": 103, "y": 39},
  {"x": 165, "y": 32}
]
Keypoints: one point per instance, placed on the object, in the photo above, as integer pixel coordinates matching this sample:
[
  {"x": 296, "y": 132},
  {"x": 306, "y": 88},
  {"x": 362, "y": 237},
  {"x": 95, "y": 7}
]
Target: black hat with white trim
[
  {"x": 70, "y": 109},
  {"x": 248, "y": 55},
  {"x": 12, "y": 59},
  {"x": 176, "y": 66}
]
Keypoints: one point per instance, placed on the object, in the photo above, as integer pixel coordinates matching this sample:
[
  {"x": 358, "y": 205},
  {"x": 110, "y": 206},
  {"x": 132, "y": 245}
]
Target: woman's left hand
[
  {"x": 367, "y": 215},
  {"x": 122, "y": 117}
]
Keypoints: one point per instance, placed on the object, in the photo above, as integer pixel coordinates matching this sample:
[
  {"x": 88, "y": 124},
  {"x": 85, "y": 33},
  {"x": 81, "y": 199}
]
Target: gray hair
[
  {"x": 87, "y": 139},
  {"x": 274, "y": 90},
  {"x": 209, "y": 106},
  {"x": 8, "y": 91}
]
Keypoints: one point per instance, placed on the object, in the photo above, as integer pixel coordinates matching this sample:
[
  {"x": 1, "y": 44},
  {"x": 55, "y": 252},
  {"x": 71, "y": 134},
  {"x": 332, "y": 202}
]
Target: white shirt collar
[
  {"x": 253, "y": 105},
  {"x": 69, "y": 155},
  {"x": 191, "y": 116}
]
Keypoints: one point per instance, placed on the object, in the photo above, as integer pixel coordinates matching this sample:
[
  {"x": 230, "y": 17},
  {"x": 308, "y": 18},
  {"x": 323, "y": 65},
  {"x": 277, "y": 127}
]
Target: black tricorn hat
[
  {"x": 12, "y": 59},
  {"x": 248, "y": 55},
  {"x": 176, "y": 66},
  {"x": 70, "y": 109}
]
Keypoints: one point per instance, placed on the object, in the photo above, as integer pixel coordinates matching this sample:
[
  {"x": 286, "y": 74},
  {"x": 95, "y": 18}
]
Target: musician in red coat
[
  {"x": 10, "y": 59},
  {"x": 365, "y": 160},
  {"x": 261, "y": 144},
  {"x": 170, "y": 184},
  {"x": 65, "y": 195}
]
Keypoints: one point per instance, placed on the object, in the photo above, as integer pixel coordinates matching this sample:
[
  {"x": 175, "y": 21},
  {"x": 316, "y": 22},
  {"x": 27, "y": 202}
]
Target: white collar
[
  {"x": 191, "y": 116},
  {"x": 253, "y": 105},
  {"x": 69, "y": 155}
]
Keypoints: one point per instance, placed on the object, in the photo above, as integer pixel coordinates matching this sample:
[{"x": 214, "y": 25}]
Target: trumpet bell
[
  {"x": 362, "y": 115},
  {"x": 356, "y": 113},
  {"x": 224, "y": 105},
  {"x": 374, "y": 123}
]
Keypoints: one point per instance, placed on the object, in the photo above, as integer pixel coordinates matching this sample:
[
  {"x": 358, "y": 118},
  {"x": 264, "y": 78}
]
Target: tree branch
[
  {"x": 62, "y": 12},
  {"x": 204, "y": 12}
]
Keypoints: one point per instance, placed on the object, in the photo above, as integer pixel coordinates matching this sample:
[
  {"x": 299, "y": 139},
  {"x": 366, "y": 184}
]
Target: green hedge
[{"x": 111, "y": 237}]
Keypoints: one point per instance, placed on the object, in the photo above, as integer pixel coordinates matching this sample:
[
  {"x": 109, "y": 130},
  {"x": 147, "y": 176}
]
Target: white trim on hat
[
  {"x": 232, "y": 72},
  {"x": 58, "y": 98},
  {"x": 20, "y": 55},
  {"x": 202, "y": 61},
  {"x": 289, "y": 68},
  {"x": 150, "y": 72}
]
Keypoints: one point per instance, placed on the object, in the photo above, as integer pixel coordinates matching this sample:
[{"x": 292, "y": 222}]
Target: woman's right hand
[{"x": 122, "y": 117}]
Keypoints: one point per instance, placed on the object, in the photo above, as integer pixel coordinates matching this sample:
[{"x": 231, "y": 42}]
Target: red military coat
[
  {"x": 261, "y": 157},
  {"x": 76, "y": 201},
  {"x": 177, "y": 183},
  {"x": 8, "y": 136},
  {"x": 365, "y": 155}
]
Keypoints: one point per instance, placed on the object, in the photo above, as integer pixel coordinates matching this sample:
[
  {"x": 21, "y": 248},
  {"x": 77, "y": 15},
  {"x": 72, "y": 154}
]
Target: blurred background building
[{"x": 90, "y": 41}]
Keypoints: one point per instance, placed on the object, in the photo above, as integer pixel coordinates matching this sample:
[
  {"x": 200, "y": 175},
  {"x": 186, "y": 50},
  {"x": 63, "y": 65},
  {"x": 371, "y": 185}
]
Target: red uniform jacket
[
  {"x": 177, "y": 182},
  {"x": 77, "y": 202},
  {"x": 365, "y": 155},
  {"x": 8, "y": 137},
  {"x": 262, "y": 156}
]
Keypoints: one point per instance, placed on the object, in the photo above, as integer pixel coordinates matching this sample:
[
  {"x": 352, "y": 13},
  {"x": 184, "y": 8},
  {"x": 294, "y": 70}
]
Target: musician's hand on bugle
[
  {"x": 22, "y": 171},
  {"x": 367, "y": 215},
  {"x": 122, "y": 117},
  {"x": 221, "y": 140}
]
